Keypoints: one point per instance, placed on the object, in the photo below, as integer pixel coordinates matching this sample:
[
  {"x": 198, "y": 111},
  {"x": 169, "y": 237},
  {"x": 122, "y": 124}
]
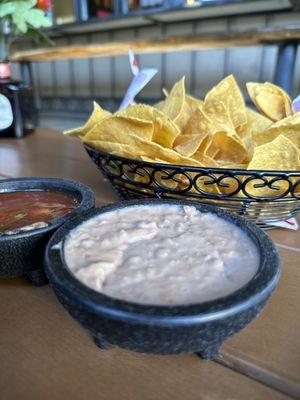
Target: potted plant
[{"x": 18, "y": 18}]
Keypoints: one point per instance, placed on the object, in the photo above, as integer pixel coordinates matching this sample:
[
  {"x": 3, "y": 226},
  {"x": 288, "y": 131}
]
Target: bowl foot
[
  {"x": 210, "y": 352},
  {"x": 38, "y": 277},
  {"x": 100, "y": 342}
]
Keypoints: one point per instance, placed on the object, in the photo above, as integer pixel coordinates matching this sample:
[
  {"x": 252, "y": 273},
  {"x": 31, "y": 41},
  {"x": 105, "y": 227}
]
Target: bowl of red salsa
[{"x": 31, "y": 210}]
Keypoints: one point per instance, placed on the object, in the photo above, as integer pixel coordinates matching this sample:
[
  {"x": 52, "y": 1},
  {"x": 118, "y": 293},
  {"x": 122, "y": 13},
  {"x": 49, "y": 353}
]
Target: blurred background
[{"x": 64, "y": 88}]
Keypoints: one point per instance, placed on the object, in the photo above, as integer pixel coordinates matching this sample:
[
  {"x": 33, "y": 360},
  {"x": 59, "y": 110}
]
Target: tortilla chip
[
  {"x": 98, "y": 115},
  {"x": 217, "y": 112},
  {"x": 175, "y": 100},
  {"x": 257, "y": 121},
  {"x": 187, "y": 145},
  {"x": 231, "y": 165},
  {"x": 165, "y": 131},
  {"x": 176, "y": 106},
  {"x": 291, "y": 132},
  {"x": 160, "y": 105},
  {"x": 201, "y": 152},
  {"x": 199, "y": 123},
  {"x": 289, "y": 127},
  {"x": 118, "y": 127},
  {"x": 245, "y": 134},
  {"x": 193, "y": 102},
  {"x": 228, "y": 92},
  {"x": 227, "y": 148},
  {"x": 292, "y": 120},
  {"x": 205, "y": 160},
  {"x": 281, "y": 154},
  {"x": 139, "y": 147},
  {"x": 270, "y": 100},
  {"x": 118, "y": 149},
  {"x": 286, "y": 98},
  {"x": 152, "y": 160}
]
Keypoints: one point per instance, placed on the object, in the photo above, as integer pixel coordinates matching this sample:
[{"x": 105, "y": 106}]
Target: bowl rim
[
  {"x": 256, "y": 290},
  {"x": 57, "y": 184}
]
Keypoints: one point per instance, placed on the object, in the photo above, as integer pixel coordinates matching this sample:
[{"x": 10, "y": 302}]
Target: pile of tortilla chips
[{"x": 219, "y": 131}]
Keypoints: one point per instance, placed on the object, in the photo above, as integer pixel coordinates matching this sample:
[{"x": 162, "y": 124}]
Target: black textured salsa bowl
[
  {"x": 198, "y": 328},
  {"x": 22, "y": 253}
]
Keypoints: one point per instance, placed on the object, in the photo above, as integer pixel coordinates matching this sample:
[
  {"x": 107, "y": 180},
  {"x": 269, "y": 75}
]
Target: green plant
[{"x": 22, "y": 17}]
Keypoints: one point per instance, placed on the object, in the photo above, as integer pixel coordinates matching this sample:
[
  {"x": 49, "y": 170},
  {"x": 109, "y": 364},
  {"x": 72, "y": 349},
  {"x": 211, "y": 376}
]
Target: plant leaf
[
  {"x": 7, "y": 9},
  {"x": 37, "y": 18},
  {"x": 25, "y": 16},
  {"x": 19, "y": 21}
]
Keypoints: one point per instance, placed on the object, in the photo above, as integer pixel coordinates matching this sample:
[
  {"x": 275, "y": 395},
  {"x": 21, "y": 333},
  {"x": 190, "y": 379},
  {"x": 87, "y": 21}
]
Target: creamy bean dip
[{"x": 161, "y": 254}]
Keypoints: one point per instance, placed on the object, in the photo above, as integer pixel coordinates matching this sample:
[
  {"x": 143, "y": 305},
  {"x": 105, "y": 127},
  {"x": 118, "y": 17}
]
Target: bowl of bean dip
[
  {"x": 162, "y": 276},
  {"x": 31, "y": 210}
]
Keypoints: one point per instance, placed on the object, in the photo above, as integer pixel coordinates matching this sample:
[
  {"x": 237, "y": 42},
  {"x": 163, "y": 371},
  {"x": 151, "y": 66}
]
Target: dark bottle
[{"x": 17, "y": 111}]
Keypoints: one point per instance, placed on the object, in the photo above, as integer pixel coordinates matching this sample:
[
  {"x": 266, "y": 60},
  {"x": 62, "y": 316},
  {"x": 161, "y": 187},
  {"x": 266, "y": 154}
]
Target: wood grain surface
[
  {"x": 45, "y": 354},
  {"x": 212, "y": 40}
]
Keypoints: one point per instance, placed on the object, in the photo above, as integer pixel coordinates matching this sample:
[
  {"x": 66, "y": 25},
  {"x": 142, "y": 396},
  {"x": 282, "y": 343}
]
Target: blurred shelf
[
  {"x": 212, "y": 40},
  {"x": 98, "y": 24},
  {"x": 177, "y": 11}
]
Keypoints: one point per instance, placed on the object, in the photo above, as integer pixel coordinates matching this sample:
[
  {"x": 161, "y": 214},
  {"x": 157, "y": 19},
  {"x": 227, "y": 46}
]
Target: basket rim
[{"x": 192, "y": 168}]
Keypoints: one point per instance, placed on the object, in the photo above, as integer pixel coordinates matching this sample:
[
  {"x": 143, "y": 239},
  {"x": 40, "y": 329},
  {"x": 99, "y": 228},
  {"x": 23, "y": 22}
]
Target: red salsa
[{"x": 23, "y": 209}]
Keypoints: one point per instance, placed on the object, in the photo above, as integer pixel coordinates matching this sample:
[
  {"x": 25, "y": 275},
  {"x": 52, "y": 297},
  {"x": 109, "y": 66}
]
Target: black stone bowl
[
  {"x": 23, "y": 253},
  {"x": 163, "y": 329}
]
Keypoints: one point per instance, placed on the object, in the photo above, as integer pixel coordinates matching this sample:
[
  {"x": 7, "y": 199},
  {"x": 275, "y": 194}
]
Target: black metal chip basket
[{"x": 263, "y": 197}]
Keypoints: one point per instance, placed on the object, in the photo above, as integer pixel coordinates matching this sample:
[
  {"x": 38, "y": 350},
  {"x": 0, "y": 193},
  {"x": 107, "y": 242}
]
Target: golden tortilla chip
[
  {"x": 165, "y": 131},
  {"x": 229, "y": 94},
  {"x": 160, "y": 105},
  {"x": 187, "y": 145},
  {"x": 257, "y": 121},
  {"x": 201, "y": 152},
  {"x": 245, "y": 134},
  {"x": 175, "y": 100},
  {"x": 205, "y": 160},
  {"x": 117, "y": 127},
  {"x": 217, "y": 112},
  {"x": 140, "y": 147},
  {"x": 98, "y": 115},
  {"x": 118, "y": 149},
  {"x": 227, "y": 148},
  {"x": 199, "y": 123},
  {"x": 193, "y": 103},
  {"x": 279, "y": 155},
  {"x": 176, "y": 106},
  {"x": 289, "y": 127},
  {"x": 292, "y": 120},
  {"x": 153, "y": 160},
  {"x": 270, "y": 100},
  {"x": 286, "y": 98},
  {"x": 231, "y": 165},
  {"x": 291, "y": 132}
]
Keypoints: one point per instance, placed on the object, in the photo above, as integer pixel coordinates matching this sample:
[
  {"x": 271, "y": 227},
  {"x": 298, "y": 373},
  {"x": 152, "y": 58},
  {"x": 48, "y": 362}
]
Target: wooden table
[{"x": 45, "y": 355}]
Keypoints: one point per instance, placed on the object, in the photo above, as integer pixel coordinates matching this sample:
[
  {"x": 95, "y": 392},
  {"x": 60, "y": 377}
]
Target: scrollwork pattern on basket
[
  {"x": 264, "y": 186},
  {"x": 259, "y": 195}
]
